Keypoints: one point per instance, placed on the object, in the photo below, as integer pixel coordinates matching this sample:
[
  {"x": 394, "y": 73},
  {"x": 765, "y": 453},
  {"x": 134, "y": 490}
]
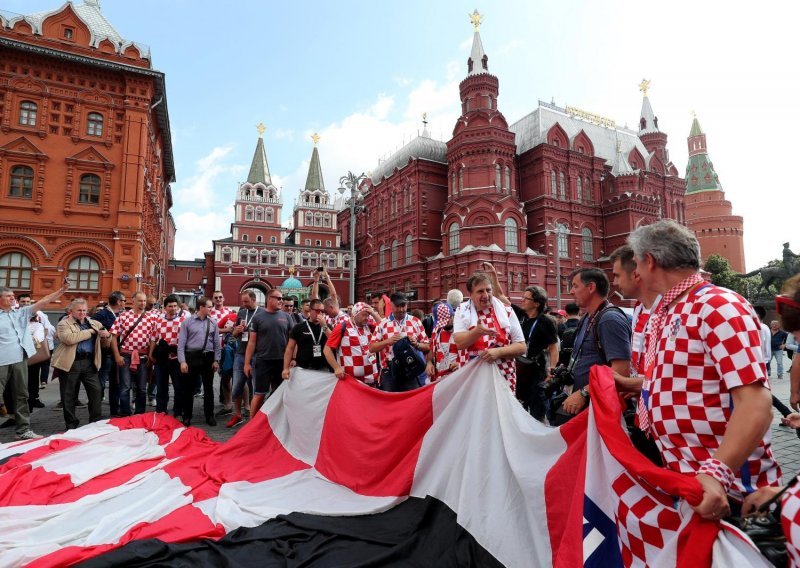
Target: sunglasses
[
  {"x": 218, "y": 297},
  {"x": 783, "y": 302},
  {"x": 276, "y": 298}
]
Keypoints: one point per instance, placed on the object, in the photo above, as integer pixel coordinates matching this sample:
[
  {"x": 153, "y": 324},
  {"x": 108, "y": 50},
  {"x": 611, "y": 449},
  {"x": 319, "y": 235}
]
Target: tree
[{"x": 722, "y": 275}]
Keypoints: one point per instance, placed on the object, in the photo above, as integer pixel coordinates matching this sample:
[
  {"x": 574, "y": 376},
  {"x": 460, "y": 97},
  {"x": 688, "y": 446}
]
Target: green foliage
[{"x": 722, "y": 275}]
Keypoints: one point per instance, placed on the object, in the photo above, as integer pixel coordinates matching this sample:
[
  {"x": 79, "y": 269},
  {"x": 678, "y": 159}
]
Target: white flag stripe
[
  {"x": 477, "y": 421},
  {"x": 88, "y": 432}
]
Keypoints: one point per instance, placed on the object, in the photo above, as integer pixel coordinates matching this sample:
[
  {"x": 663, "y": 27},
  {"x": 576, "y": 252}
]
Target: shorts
[{"x": 268, "y": 375}]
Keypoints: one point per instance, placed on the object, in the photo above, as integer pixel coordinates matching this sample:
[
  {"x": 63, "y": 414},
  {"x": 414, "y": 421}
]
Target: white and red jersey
[
  {"x": 352, "y": 342},
  {"x": 139, "y": 338},
  {"x": 487, "y": 318},
  {"x": 338, "y": 319},
  {"x": 389, "y": 327},
  {"x": 710, "y": 344},
  {"x": 790, "y": 521},
  {"x": 445, "y": 352},
  {"x": 218, "y": 314},
  {"x": 168, "y": 329}
]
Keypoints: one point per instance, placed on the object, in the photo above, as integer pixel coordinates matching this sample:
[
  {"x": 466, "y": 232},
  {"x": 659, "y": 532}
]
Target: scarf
[{"x": 468, "y": 315}]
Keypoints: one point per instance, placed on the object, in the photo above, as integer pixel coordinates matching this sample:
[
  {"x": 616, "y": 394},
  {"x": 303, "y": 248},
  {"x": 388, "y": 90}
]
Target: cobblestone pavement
[{"x": 46, "y": 421}]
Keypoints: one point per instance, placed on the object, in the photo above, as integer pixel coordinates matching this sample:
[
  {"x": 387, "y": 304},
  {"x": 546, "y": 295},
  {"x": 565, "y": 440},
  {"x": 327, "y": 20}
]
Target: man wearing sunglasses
[
  {"x": 705, "y": 399},
  {"x": 267, "y": 344}
]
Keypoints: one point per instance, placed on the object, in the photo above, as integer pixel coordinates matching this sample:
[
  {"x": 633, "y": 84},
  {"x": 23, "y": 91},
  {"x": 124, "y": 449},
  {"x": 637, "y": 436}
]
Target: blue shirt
[
  {"x": 614, "y": 336},
  {"x": 87, "y": 345},
  {"x": 15, "y": 341},
  {"x": 198, "y": 334}
]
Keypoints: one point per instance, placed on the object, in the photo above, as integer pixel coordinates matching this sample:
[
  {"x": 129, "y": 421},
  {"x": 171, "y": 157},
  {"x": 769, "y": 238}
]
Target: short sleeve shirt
[
  {"x": 389, "y": 327},
  {"x": 539, "y": 332},
  {"x": 139, "y": 338},
  {"x": 168, "y": 329},
  {"x": 272, "y": 329},
  {"x": 308, "y": 334},
  {"x": 710, "y": 345},
  {"x": 614, "y": 335}
]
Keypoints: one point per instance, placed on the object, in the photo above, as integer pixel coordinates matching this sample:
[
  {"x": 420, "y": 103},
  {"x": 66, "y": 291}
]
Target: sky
[{"x": 361, "y": 73}]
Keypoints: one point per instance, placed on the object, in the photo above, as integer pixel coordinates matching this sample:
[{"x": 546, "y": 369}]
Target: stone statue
[{"x": 773, "y": 275}]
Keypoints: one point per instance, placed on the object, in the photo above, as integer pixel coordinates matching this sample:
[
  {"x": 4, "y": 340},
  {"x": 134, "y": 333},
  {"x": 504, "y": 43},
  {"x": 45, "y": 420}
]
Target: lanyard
[
  {"x": 252, "y": 315},
  {"x": 530, "y": 331},
  {"x": 311, "y": 331}
]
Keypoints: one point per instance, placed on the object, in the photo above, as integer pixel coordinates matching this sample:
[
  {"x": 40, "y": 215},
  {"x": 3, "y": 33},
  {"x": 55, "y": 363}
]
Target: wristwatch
[{"x": 584, "y": 393}]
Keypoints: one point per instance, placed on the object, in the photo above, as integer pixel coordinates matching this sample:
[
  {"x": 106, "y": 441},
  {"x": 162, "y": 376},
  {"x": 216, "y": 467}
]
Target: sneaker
[
  {"x": 59, "y": 406},
  {"x": 80, "y": 404},
  {"x": 152, "y": 402},
  {"x": 211, "y": 421},
  {"x": 235, "y": 420},
  {"x": 28, "y": 435},
  {"x": 224, "y": 412},
  {"x": 42, "y": 386}
]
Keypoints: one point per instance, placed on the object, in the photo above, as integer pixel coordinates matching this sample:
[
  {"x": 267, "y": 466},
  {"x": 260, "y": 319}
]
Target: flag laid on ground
[{"x": 335, "y": 473}]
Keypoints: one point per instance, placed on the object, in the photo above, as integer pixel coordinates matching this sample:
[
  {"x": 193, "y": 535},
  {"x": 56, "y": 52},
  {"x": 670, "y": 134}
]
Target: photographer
[{"x": 603, "y": 336}]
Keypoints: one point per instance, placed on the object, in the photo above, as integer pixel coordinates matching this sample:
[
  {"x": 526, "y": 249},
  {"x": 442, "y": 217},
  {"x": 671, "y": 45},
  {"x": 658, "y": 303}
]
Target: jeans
[
  {"x": 162, "y": 373},
  {"x": 106, "y": 364},
  {"x": 239, "y": 378},
  {"x": 778, "y": 355},
  {"x": 136, "y": 380},
  {"x": 17, "y": 375},
  {"x": 82, "y": 371}
]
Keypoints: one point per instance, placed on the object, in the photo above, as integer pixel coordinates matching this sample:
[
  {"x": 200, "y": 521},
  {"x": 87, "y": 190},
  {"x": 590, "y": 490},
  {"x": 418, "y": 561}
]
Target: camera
[{"x": 562, "y": 377}]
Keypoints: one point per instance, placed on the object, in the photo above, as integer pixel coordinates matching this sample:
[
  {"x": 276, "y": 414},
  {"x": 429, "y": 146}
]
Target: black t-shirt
[
  {"x": 272, "y": 329},
  {"x": 306, "y": 339},
  {"x": 245, "y": 316},
  {"x": 540, "y": 337}
]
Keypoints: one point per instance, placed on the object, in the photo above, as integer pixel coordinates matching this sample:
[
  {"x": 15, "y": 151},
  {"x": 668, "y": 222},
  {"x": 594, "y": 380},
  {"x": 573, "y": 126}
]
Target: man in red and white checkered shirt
[
  {"x": 132, "y": 331},
  {"x": 709, "y": 405},
  {"x": 164, "y": 353},
  {"x": 219, "y": 312},
  {"x": 391, "y": 330},
  {"x": 351, "y": 341}
]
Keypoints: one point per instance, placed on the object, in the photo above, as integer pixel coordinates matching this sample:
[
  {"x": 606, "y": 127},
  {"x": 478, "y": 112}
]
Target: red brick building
[
  {"x": 260, "y": 253},
  {"x": 85, "y": 157},
  {"x": 557, "y": 190},
  {"x": 708, "y": 213}
]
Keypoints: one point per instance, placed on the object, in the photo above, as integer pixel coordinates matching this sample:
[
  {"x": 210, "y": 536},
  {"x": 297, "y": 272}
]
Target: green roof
[
  {"x": 696, "y": 130},
  {"x": 259, "y": 169},
  {"x": 314, "y": 180},
  {"x": 700, "y": 175}
]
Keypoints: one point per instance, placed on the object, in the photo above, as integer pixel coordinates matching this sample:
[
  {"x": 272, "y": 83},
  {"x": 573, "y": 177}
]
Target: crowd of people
[{"x": 691, "y": 362}]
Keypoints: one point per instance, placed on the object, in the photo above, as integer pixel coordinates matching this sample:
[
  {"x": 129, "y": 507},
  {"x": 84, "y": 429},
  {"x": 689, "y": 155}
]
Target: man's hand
[
  {"x": 120, "y": 361},
  {"x": 321, "y": 319},
  {"x": 754, "y": 501},
  {"x": 488, "y": 267},
  {"x": 248, "y": 368},
  {"x": 151, "y": 359},
  {"x": 185, "y": 368},
  {"x": 574, "y": 403},
  {"x": 454, "y": 365},
  {"x": 285, "y": 374},
  {"x": 794, "y": 401},
  {"x": 714, "y": 505},
  {"x": 490, "y": 355},
  {"x": 237, "y": 330},
  {"x": 339, "y": 372},
  {"x": 215, "y": 366},
  {"x": 792, "y": 420},
  {"x": 104, "y": 334},
  {"x": 395, "y": 338},
  {"x": 430, "y": 369},
  {"x": 627, "y": 384},
  {"x": 483, "y": 330}
]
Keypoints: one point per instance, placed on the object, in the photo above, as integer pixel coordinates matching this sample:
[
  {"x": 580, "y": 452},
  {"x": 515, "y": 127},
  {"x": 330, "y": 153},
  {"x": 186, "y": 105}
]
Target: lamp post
[
  {"x": 558, "y": 230},
  {"x": 351, "y": 182},
  {"x": 138, "y": 278}
]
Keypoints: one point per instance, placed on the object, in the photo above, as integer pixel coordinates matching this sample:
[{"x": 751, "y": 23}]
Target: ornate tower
[
  {"x": 708, "y": 213},
  {"x": 315, "y": 214},
  {"x": 653, "y": 139},
  {"x": 483, "y": 206},
  {"x": 258, "y": 202}
]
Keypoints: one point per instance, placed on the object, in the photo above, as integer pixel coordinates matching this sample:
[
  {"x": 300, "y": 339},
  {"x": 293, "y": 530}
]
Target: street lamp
[
  {"x": 558, "y": 230},
  {"x": 351, "y": 182},
  {"x": 138, "y": 278}
]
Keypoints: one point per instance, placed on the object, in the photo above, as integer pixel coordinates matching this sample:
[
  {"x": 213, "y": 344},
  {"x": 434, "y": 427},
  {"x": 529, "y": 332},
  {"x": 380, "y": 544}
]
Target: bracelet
[{"x": 719, "y": 471}]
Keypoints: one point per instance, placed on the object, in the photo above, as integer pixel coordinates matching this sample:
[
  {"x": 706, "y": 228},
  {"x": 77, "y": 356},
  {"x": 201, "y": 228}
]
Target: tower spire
[
  {"x": 259, "y": 168},
  {"x": 314, "y": 181},
  {"x": 700, "y": 174},
  {"x": 648, "y": 121},
  {"x": 478, "y": 62}
]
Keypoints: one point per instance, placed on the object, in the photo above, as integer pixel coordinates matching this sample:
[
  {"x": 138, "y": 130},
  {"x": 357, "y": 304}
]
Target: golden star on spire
[
  {"x": 694, "y": 114},
  {"x": 261, "y": 129},
  {"x": 476, "y": 19},
  {"x": 643, "y": 86},
  {"x": 315, "y": 138}
]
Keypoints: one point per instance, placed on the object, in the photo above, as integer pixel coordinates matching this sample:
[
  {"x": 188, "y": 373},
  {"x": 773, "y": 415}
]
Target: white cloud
[{"x": 197, "y": 230}]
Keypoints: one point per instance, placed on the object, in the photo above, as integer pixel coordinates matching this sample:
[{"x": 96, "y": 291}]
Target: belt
[{"x": 79, "y": 356}]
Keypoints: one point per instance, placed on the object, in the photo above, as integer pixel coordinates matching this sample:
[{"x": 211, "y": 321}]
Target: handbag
[{"x": 42, "y": 351}]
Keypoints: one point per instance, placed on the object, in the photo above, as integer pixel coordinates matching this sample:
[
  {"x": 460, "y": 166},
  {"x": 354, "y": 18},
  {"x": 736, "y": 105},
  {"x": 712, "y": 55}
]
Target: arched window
[
  {"x": 512, "y": 235},
  {"x": 326, "y": 220},
  {"x": 15, "y": 271},
  {"x": 562, "y": 193},
  {"x": 409, "y": 249},
  {"x": 346, "y": 263},
  {"x": 507, "y": 183},
  {"x": 453, "y": 238},
  {"x": 332, "y": 260},
  {"x": 269, "y": 215},
  {"x": 21, "y": 184},
  {"x": 253, "y": 256},
  {"x": 395, "y": 252},
  {"x": 264, "y": 257},
  {"x": 243, "y": 256},
  {"x": 318, "y": 220},
  {"x": 259, "y": 238},
  {"x": 563, "y": 240},
  {"x": 27, "y": 113},
  {"x": 84, "y": 273},
  {"x": 273, "y": 257},
  {"x": 259, "y": 214},
  {"x": 226, "y": 254},
  {"x": 248, "y": 213},
  {"x": 382, "y": 258},
  {"x": 89, "y": 189},
  {"x": 289, "y": 258},
  {"x": 304, "y": 259},
  {"x": 579, "y": 189},
  {"x": 313, "y": 258},
  {"x": 586, "y": 244},
  {"x": 309, "y": 219},
  {"x": 461, "y": 179},
  {"x": 497, "y": 182},
  {"x": 244, "y": 238},
  {"x": 587, "y": 191},
  {"x": 553, "y": 188},
  {"x": 94, "y": 124}
]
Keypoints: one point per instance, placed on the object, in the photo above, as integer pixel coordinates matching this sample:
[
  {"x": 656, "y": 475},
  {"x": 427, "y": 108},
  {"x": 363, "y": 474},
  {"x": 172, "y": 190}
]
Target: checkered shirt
[
  {"x": 354, "y": 355},
  {"x": 790, "y": 521},
  {"x": 645, "y": 520},
  {"x": 709, "y": 345},
  {"x": 139, "y": 338},
  {"x": 641, "y": 320},
  {"x": 219, "y": 314},
  {"x": 389, "y": 327},
  {"x": 445, "y": 352},
  {"x": 507, "y": 367},
  {"x": 168, "y": 329},
  {"x": 338, "y": 320}
]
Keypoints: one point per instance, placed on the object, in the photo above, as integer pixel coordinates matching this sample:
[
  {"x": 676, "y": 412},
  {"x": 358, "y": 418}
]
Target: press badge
[
  {"x": 245, "y": 336},
  {"x": 317, "y": 350}
]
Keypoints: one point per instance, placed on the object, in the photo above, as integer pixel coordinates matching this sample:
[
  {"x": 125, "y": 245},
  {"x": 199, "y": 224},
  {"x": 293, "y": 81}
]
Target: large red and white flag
[{"x": 333, "y": 472}]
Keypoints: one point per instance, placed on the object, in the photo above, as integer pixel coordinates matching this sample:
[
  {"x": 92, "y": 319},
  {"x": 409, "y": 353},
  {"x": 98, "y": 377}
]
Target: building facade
[
  {"x": 85, "y": 157},
  {"x": 261, "y": 254},
  {"x": 708, "y": 213},
  {"x": 557, "y": 190}
]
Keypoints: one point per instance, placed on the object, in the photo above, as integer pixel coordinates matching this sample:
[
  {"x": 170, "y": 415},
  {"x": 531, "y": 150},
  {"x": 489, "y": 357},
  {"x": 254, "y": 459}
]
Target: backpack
[{"x": 408, "y": 363}]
